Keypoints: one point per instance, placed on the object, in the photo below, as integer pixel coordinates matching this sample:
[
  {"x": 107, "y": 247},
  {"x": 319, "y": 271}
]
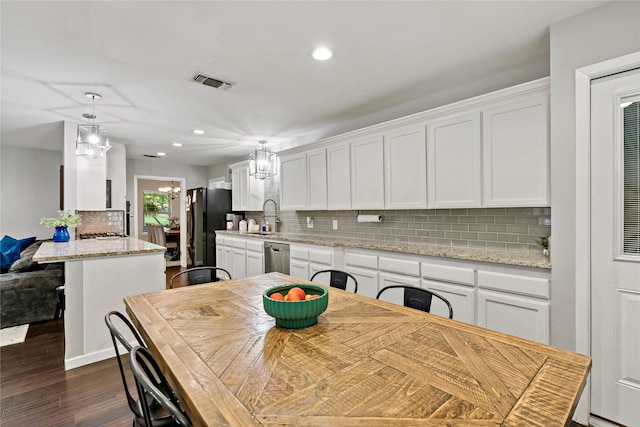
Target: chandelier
[
  {"x": 262, "y": 162},
  {"x": 173, "y": 191},
  {"x": 93, "y": 140}
]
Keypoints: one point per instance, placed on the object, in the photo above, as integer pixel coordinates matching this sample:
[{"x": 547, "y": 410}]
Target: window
[
  {"x": 156, "y": 208},
  {"x": 631, "y": 166}
]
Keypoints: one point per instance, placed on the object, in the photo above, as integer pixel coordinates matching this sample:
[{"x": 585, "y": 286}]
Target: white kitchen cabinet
[
  {"x": 516, "y": 152},
  {"x": 405, "y": 168},
  {"x": 293, "y": 182},
  {"x": 514, "y": 304},
  {"x": 228, "y": 256},
  {"x": 316, "y": 178},
  {"x": 453, "y": 162},
  {"x": 456, "y": 284},
  {"x": 395, "y": 272},
  {"x": 367, "y": 173},
  {"x": 220, "y": 255},
  {"x": 339, "y": 177},
  {"x": 364, "y": 268},
  {"x": 306, "y": 260},
  {"x": 255, "y": 257},
  {"x": 239, "y": 258},
  {"x": 247, "y": 192},
  {"x": 320, "y": 259}
]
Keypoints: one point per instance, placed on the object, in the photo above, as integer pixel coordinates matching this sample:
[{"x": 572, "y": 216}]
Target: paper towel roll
[{"x": 369, "y": 218}]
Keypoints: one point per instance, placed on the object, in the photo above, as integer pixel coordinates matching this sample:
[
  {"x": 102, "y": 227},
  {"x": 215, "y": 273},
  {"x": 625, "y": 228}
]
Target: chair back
[
  {"x": 418, "y": 298},
  {"x": 150, "y": 381},
  {"x": 118, "y": 337},
  {"x": 198, "y": 275},
  {"x": 156, "y": 234},
  {"x": 338, "y": 279}
]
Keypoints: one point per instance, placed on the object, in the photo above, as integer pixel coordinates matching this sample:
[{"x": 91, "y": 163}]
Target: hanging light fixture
[
  {"x": 262, "y": 162},
  {"x": 173, "y": 191},
  {"x": 93, "y": 140}
]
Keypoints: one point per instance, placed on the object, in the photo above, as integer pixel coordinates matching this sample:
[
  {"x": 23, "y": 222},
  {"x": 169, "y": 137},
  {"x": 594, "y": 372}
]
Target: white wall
[
  {"x": 606, "y": 32},
  {"x": 29, "y": 190},
  {"x": 195, "y": 176}
]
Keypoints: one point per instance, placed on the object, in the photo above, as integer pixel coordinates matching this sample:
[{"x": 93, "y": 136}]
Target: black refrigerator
[{"x": 206, "y": 213}]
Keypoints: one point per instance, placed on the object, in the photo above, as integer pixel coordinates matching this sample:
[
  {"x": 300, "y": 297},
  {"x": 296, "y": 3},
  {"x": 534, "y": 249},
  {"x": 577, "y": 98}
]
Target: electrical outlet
[
  {"x": 335, "y": 224},
  {"x": 310, "y": 223}
]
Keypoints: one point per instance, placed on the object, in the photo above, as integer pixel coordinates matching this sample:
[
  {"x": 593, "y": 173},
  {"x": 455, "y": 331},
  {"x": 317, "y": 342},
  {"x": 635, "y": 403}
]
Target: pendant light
[
  {"x": 93, "y": 140},
  {"x": 262, "y": 162},
  {"x": 173, "y": 191}
]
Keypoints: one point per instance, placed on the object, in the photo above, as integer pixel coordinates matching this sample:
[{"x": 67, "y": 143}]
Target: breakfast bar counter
[
  {"x": 99, "y": 273},
  {"x": 364, "y": 363}
]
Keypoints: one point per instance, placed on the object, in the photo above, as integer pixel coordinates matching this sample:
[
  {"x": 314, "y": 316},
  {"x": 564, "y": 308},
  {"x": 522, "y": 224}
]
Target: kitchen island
[{"x": 99, "y": 273}]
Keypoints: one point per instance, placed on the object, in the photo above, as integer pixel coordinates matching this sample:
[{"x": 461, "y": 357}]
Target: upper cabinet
[
  {"x": 453, "y": 162},
  {"x": 488, "y": 151},
  {"x": 303, "y": 180},
  {"x": 339, "y": 177},
  {"x": 247, "y": 192},
  {"x": 405, "y": 168},
  {"x": 516, "y": 153},
  {"x": 367, "y": 173}
]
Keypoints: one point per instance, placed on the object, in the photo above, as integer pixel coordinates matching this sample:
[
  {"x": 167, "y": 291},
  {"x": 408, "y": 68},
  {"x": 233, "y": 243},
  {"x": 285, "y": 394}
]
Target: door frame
[
  {"x": 583, "y": 77},
  {"x": 183, "y": 212}
]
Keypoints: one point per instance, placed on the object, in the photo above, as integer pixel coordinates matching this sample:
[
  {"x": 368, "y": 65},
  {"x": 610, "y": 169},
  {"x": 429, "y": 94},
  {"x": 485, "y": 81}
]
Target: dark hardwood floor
[{"x": 35, "y": 390}]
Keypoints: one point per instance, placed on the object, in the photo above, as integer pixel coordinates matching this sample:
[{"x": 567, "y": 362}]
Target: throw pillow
[
  {"x": 10, "y": 249},
  {"x": 26, "y": 242},
  {"x": 26, "y": 263}
]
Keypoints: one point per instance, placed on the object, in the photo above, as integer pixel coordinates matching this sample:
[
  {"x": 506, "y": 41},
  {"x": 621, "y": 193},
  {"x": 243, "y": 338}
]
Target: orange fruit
[
  {"x": 276, "y": 295},
  {"x": 297, "y": 291},
  {"x": 313, "y": 296},
  {"x": 307, "y": 297}
]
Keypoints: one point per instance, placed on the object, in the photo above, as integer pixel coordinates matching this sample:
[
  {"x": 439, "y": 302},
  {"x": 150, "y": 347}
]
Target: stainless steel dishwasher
[{"x": 276, "y": 257}]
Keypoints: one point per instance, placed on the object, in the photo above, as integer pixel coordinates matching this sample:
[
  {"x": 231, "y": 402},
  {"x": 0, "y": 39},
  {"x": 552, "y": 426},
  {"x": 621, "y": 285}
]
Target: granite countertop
[
  {"x": 524, "y": 259},
  {"x": 91, "y": 248}
]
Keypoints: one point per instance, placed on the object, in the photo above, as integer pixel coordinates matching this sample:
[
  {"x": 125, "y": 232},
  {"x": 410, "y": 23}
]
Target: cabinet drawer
[
  {"x": 239, "y": 243},
  {"x": 299, "y": 253},
  {"x": 358, "y": 260},
  {"x": 321, "y": 257},
  {"x": 255, "y": 245},
  {"x": 464, "y": 276},
  {"x": 407, "y": 268},
  {"x": 522, "y": 285},
  {"x": 219, "y": 240}
]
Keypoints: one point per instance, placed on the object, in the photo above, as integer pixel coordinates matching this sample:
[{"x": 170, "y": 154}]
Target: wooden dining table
[{"x": 365, "y": 362}]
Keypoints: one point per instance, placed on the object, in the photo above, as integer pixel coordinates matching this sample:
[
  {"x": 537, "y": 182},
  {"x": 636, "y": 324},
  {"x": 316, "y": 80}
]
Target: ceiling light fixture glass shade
[
  {"x": 262, "y": 162},
  {"x": 172, "y": 190},
  {"x": 92, "y": 140}
]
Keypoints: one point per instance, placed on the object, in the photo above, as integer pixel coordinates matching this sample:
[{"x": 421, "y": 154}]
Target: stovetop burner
[{"x": 100, "y": 235}]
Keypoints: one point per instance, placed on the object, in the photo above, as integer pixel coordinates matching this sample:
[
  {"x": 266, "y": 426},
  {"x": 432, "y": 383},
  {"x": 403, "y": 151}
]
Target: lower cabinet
[
  {"x": 514, "y": 304},
  {"x": 364, "y": 268},
  {"x": 239, "y": 259},
  {"x": 306, "y": 260},
  {"x": 457, "y": 285},
  {"x": 255, "y": 257}
]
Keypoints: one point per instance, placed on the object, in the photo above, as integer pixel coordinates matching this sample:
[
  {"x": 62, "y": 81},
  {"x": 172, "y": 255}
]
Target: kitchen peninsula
[{"x": 99, "y": 273}]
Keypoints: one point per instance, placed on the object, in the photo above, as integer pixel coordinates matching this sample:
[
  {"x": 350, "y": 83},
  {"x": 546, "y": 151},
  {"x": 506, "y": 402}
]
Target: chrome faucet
[{"x": 264, "y": 215}]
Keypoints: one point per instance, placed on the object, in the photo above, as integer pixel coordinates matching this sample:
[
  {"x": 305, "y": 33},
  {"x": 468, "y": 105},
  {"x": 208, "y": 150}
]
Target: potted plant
[
  {"x": 543, "y": 241},
  {"x": 61, "y": 222}
]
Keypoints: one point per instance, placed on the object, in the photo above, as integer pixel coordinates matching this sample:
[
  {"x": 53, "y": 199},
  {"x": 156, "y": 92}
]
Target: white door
[{"x": 615, "y": 248}]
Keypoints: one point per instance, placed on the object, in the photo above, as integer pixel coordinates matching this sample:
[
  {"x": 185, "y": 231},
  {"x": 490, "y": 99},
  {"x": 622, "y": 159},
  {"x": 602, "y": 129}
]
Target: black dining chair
[
  {"x": 418, "y": 298},
  {"x": 150, "y": 381},
  {"x": 198, "y": 275},
  {"x": 338, "y": 279},
  {"x": 159, "y": 417}
]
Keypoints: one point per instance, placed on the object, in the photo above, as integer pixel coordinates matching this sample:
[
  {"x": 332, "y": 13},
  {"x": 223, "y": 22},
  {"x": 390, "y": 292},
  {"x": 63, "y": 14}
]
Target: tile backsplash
[
  {"x": 111, "y": 221},
  {"x": 504, "y": 229}
]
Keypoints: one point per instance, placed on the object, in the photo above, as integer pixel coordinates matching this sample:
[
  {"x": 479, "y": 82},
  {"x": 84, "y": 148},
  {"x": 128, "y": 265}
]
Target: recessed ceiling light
[
  {"x": 177, "y": 144},
  {"x": 322, "y": 53},
  {"x": 161, "y": 154},
  {"x": 198, "y": 131}
]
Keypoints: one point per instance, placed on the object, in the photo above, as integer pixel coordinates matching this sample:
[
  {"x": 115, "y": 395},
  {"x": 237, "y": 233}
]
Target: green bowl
[{"x": 296, "y": 314}]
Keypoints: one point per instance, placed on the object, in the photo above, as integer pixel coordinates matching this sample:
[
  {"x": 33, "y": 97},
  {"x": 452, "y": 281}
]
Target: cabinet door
[
  {"x": 339, "y": 177},
  {"x": 220, "y": 256},
  {"x": 255, "y": 193},
  {"x": 239, "y": 262},
  {"x": 367, "y": 280},
  {"x": 367, "y": 174},
  {"x": 516, "y": 153},
  {"x": 405, "y": 169},
  {"x": 293, "y": 182},
  {"x": 255, "y": 263},
  {"x": 228, "y": 261},
  {"x": 236, "y": 189},
  {"x": 299, "y": 269},
  {"x": 516, "y": 315},
  {"x": 461, "y": 298},
  {"x": 453, "y": 159},
  {"x": 317, "y": 179}
]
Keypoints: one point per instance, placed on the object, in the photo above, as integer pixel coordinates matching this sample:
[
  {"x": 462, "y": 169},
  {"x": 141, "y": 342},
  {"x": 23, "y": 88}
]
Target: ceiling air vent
[
  {"x": 210, "y": 81},
  {"x": 153, "y": 156}
]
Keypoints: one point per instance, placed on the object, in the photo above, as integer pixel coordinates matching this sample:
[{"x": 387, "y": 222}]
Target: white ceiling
[{"x": 392, "y": 58}]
